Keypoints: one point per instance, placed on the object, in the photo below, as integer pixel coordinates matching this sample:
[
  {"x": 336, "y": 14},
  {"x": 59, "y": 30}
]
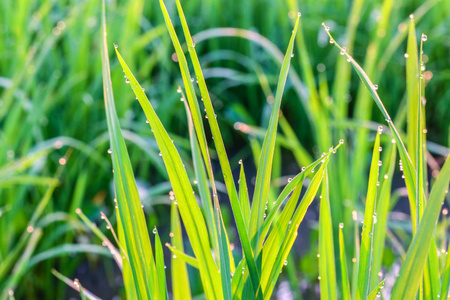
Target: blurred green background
[{"x": 53, "y": 125}]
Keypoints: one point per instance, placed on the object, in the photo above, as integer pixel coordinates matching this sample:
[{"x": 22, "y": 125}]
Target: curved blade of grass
[
  {"x": 180, "y": 279},
  {"x": 327, "y": 267},
  {"x": 374, "y": 294},
  {"x": 412, "y": 88},
  {"x": 189, "y": 209},
  {"x": 409, "y": 170},
  {"x": 160, "y": 266},
  {"x": 137, "y": 241},
  {"x": 365, "y": 257},
  {"x": 382, "y": 213},
  {"x": 85, "y": 294},
  {"x": 343, "y": 264},
  {"x": 65, "y": 249},
  {"x": 264, "y": 171},
  {"x": 411, "y": 271}
]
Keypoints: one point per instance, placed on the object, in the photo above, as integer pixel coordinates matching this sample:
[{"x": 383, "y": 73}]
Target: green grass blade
[
  {"x": 224, "y": 252},
  {"x": 446, "y": 277},
  {"x": 160, "y": 266},
  {"x": 409, "y": 170},
  {"x": 365, "y": 257},
  {"x": 412, "y": 87},
  {"x": 375, "y": 293},
  {"x": 343, "y": 264},
  {"x": 382, "y": 213},
  {"x": 243, "y": 195},
  {"x": 408, "y": 281},
  {"x": 137, "y": 241},
  {"x": 263, "y": 174},
  {"x": 327, "y": 267},
  {"x": 189, "y": 209},
  {"x": 180, "y": 279}
]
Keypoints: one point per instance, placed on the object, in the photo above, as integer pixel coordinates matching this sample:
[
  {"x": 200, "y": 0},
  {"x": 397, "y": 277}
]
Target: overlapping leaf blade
[
  {"x": 365, "y": 257},
  {"x": 184, "y": 194},
  {"x": 137, "y": 241}
]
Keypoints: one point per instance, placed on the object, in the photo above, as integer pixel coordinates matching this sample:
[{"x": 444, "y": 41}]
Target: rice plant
[
  {"x": 266, "y": 232},
  {"x": 211, "y": 191}
]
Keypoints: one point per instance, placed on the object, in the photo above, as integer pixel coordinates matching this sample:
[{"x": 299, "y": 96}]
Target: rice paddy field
[{"x": 257, "y": 149}]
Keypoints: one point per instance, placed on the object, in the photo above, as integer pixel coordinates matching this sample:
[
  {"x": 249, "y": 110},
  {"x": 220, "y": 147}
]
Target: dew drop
[
  {"x": 341, "y": 225},
  {"x": 341, "y": 141},
  {"x": 155, "y": 230},
  {"x": 406, "y": 55},
  {"x": 116, "y": 46},
  {"x": 179, "y": 90},
  {"x": 424, "y": 38},
  {"x": 285, "y": 262},
  {"x": 292, "y": 54},
  {"x": 375, "y": 86},
  {"x": 299, "y": 14},
  {"x": 289, "y": 179},
  {"x": 109, "y": 151}
]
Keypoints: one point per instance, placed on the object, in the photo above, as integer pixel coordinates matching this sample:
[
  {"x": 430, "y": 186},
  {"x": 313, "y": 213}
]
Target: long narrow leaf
[
  {"x": 365, "y": 257},
  {"x": 137, "y": 241},
  {"x": 184, "y": 194},
  {"x": 327, "y": 267},
  {"x": 408, "y": 281}
]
